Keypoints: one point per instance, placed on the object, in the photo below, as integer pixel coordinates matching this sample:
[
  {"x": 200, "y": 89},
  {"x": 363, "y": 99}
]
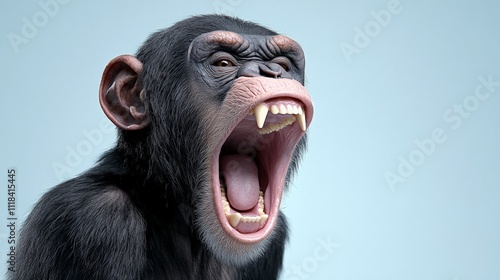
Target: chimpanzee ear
[{"x": 121, "y": 95}]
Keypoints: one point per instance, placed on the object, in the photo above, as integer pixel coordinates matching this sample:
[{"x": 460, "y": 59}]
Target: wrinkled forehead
[{"x": 244, "y": 43}]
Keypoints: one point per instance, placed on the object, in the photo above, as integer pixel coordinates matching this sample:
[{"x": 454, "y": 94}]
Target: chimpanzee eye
[
  {"x": 284, "y": 62},
  {"x": 224, "y": 63}
]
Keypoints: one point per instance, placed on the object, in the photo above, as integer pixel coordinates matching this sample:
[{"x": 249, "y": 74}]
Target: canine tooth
[
  {"x": 260, "y": 112},
  {"x": 263, "y": 219},
  {"x": 300, "y": 110},
  {"x": 301, "y": 118},
  {"x": 282, "y": 109},
  {"x": 234, "y": 219},
  {"x": 275, "y": 110}
]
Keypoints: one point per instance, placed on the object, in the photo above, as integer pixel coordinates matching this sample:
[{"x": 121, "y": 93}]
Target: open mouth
[{"x": 250, "y": 165}]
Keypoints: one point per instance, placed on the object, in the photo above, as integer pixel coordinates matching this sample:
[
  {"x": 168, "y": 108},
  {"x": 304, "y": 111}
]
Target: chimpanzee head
[{"x": 214, "y": 110}]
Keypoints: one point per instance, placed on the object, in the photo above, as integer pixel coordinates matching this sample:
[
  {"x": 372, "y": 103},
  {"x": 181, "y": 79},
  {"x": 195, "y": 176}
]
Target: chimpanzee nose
[{"x": 256, "y": 69}]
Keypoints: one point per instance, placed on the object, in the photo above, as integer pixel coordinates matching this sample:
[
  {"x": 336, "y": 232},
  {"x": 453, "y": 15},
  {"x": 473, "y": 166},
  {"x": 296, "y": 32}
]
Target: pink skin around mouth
[{"x": 272, "y": 169}]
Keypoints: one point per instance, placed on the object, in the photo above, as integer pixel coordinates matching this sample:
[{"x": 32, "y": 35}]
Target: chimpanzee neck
[{"x": 117, "y": 168}]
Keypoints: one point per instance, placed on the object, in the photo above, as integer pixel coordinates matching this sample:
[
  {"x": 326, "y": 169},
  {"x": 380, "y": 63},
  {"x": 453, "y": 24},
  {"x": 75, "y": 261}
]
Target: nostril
[{"x": 270, "y": 70}]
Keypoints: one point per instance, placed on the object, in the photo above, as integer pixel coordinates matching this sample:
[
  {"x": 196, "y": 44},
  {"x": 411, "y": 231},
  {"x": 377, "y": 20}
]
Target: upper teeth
[{"x": 260, "y": 111}]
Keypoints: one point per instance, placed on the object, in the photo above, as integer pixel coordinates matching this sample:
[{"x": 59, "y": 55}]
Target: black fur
[{"x": 131, "y": 216}]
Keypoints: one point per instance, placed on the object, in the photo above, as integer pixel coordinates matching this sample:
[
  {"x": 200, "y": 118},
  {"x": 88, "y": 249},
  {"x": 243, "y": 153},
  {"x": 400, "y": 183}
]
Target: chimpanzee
[{"x": 211, "y": 116}]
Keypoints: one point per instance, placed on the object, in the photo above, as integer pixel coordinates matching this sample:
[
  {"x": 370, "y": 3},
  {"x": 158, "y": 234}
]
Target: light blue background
[{"x": 441, "y": 223}]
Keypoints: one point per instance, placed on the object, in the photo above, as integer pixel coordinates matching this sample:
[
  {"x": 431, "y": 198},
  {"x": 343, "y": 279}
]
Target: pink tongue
[{"x": 242, "y": 181}]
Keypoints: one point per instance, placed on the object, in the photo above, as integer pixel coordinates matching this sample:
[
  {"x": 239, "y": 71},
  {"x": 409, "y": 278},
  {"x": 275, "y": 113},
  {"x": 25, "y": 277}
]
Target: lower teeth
[{"x": 235, "y": 218}]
